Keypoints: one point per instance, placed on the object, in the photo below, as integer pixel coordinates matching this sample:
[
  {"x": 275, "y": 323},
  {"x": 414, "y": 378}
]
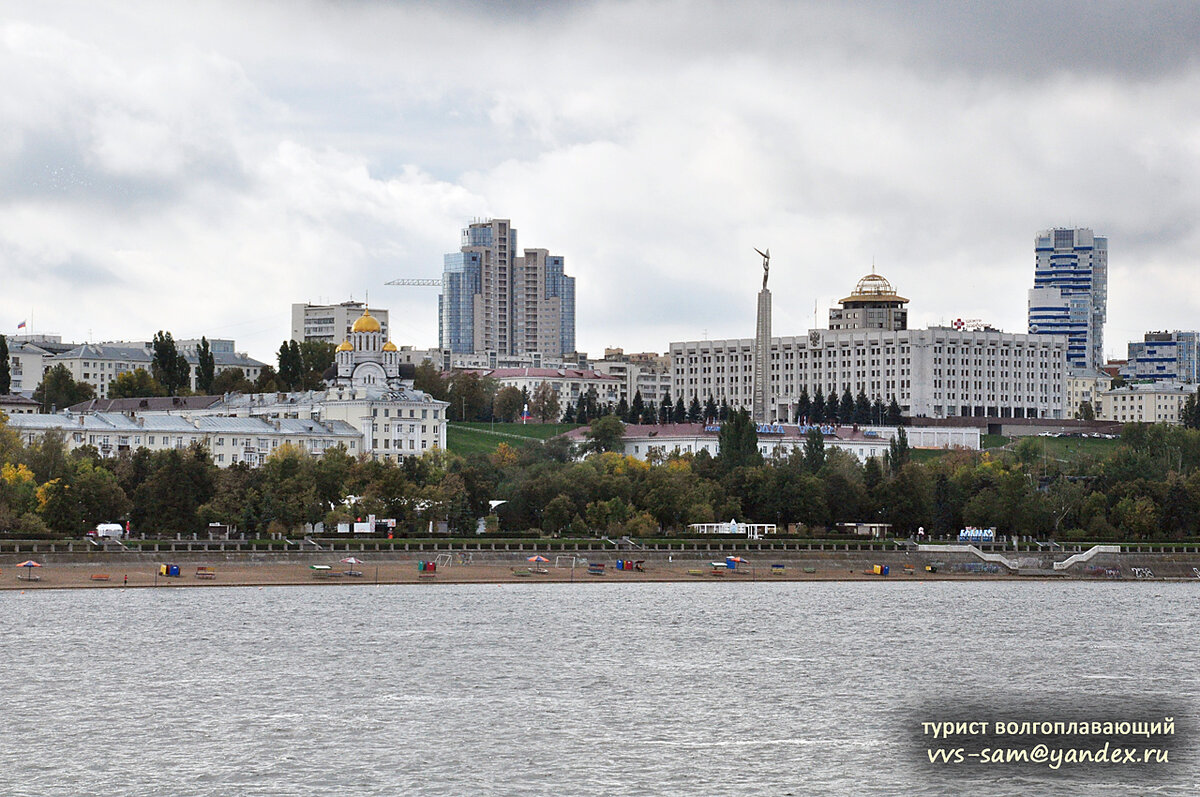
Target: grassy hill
[{"x": 468, "y": 438}]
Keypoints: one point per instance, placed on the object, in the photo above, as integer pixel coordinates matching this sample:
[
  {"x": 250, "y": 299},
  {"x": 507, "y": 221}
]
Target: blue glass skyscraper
[
  {"x": 494, "y": 300},
  {"x": 1070, "y": 292}
]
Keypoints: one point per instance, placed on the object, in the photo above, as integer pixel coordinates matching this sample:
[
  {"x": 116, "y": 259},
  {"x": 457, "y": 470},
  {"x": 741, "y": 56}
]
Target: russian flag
[
  {"x": 525, "y": 416},
  {"x": 21, "y": 325}
]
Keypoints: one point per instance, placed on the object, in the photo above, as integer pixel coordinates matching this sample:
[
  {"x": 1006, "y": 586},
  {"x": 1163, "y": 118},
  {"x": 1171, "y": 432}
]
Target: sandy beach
[{"x": 145, "y": 575}]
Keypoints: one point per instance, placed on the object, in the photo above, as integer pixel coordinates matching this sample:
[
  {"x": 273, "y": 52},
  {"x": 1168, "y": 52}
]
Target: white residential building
[
  {"x": 229, "y": 440},
  {"x": 26, "y": 363},
  {"x": 394, "y": 422},
  {"x": 331, "y": 323},
  {"x": 659, "y": 440},
  {"x": 1147, "y": 402},
  {"x": 98, "y": 364},
  {"x": 649, "y": 374},
  {"x": 1084, "y": 386}
]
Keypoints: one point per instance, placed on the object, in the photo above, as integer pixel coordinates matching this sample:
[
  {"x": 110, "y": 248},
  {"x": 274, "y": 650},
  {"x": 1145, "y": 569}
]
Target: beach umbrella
[
  {"x": 537, "y": 558},
  {"x": 737, "y": 559},
  {"x": 29, "y": 564},
  {"x": 352, "y": 561}
]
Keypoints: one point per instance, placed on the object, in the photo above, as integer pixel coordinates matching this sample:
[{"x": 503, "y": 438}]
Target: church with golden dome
[{"x": 366, "y": 358}]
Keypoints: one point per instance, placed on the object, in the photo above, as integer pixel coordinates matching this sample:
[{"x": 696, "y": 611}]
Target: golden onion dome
[
  {"x": 389, "y": 346},
  {"x": 345, "y": 346},
  {"x": 366, "y": 323}
]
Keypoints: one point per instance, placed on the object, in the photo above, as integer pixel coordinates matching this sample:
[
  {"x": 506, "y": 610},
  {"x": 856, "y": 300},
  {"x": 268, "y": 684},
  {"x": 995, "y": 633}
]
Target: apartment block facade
[{"x": 494, "y": 299}]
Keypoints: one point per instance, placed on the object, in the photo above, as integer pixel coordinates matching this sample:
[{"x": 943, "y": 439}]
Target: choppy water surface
[{"x": 596, "y": 689}]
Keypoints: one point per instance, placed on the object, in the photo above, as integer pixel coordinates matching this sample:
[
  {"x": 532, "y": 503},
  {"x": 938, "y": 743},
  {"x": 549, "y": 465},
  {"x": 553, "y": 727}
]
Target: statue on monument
[{"x": 766, "y": 256}]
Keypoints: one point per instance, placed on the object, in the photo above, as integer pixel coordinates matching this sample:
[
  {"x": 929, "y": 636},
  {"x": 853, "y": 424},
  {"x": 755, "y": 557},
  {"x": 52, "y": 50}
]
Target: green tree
[
  {"x": 5, "y": 369},
  {"x": 817, "y": 415},
  {"x": 99, "y": 496},
  {"x": 679, "y": 413},
  {"x": 167, "y": 501},
  {"x": 288, "y": 374},
  {"x": 267, "y": 381},
  {"x": 833, "y": 409},
  {"x": 637, "y": 408},
  {"x": 907, "y": 499},
  {"x": 710, "y": 409},
  {"x": 169, "y": 368},
  {"x": 606, "y": 433},
  {"x": 428, "y": 379},
  {"x": 944, "y": 517},
  {"x": 738, "y": 442},
  {"x": 803, "y": 406},
  {"x": 623, "y": 410},
  {"x": 1087, "y": 413},
  {"x": 469, "y": 399},
  {"x": 846, "y": 408},
  {"x": 898, "y": 450},
  {"x": 694, "y": 412},
  {"x": 289, "y": 487},
  {"x": 814, "y": 450},
  {"x": 862, "y": 408},
  {"x": 894, "y": 417},
  {"x": 59, "y": 389},
  {"x": 878, "y": 412},
  {"x": 544, "y": 403},
  {"x": 205, "y": 367},
  {"x": 316, "y": 356},
  {"x": 666, "y": 410},
  {"x": 1190, "y": 416},
  {"x": 508, "y": 404},
  {"x": 557, "y": 514},
  {"x": 137, "y": 383},
  {"x": 231, "y": 380}
]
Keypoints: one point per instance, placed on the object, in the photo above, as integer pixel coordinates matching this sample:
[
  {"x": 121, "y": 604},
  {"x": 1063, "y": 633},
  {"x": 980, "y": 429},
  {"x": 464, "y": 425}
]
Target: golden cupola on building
[
  {"x": 367, "y": 357},
  {"x": 366, "y": 323},
  {"x": 874, "y": 304}
]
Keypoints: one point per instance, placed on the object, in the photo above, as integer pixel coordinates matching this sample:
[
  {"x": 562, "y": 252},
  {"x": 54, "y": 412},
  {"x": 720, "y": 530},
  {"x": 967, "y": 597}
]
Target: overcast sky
[{"x": 200, "y": 167}]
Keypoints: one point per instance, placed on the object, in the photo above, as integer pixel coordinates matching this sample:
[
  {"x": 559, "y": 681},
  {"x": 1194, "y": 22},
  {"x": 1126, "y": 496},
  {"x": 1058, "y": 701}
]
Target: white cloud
[{"x": 200, "y": 169}]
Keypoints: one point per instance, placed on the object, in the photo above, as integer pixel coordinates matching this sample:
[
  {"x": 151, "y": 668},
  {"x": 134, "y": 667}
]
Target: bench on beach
[
  {"x": 695, "y": 572},
  {"x": 810, "y": 570},
  {"x": 596, "y": 569},
  {"x": 205, "y": 571},
  {"x": 521, "y": 571},
  {"x": 778, "y": 570},
  {"x": 99, "y": 576},
  {"x": 427, "y": 574}
]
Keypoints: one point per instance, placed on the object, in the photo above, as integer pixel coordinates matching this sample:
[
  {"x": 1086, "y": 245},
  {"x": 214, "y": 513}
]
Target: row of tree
[{"x": 1148, "y": 488}]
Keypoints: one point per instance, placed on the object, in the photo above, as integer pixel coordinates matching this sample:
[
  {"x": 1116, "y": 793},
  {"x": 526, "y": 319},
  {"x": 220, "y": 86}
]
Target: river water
[{"x": 588, "y": 689}]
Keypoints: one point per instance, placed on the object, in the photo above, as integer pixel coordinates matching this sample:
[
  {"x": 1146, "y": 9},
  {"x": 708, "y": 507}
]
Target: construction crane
[{"x": 416, "y": 283}]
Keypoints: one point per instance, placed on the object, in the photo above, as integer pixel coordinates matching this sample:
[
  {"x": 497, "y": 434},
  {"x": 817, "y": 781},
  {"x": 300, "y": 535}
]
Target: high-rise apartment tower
[
  {"x": 1070, "y": 292},
  {"x": 494, "y": 300}
]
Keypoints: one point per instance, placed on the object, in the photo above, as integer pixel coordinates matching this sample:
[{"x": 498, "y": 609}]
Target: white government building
[{"x": 939, "y": 372}]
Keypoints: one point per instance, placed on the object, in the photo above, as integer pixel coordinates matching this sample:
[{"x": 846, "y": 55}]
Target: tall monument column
[{"x": 762, "y": 347}]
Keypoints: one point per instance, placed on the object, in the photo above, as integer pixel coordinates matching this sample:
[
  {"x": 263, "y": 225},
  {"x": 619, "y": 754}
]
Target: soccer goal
[{"x": 570, "y": 560}]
